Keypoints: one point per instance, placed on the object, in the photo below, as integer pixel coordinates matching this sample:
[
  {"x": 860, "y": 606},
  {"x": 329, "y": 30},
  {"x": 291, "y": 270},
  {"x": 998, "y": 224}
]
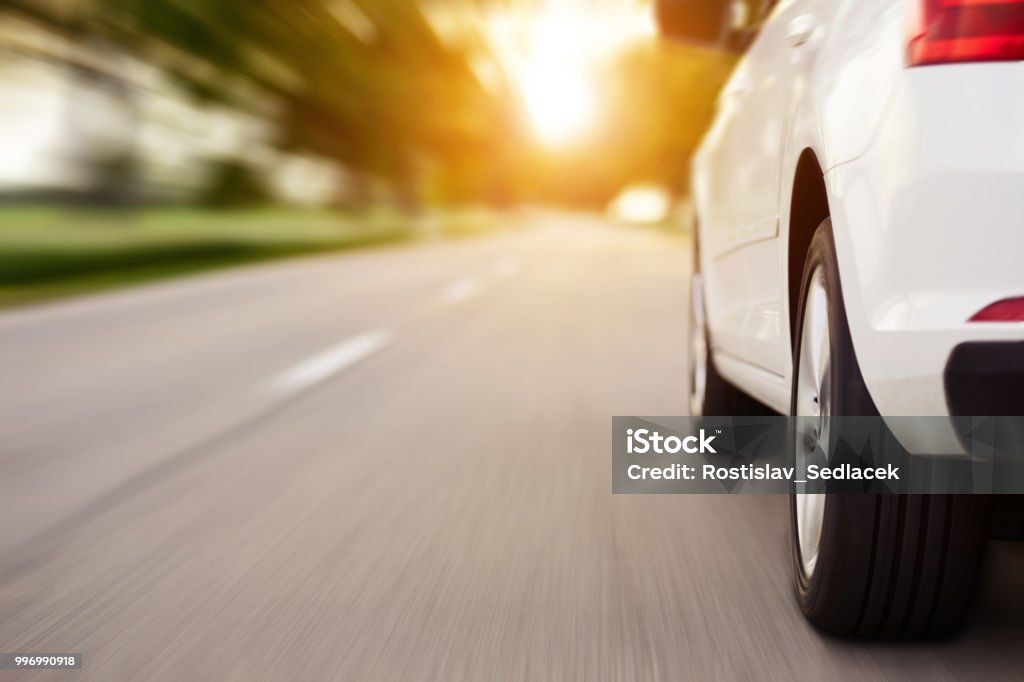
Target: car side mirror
[{"x": 712, "y": 24}]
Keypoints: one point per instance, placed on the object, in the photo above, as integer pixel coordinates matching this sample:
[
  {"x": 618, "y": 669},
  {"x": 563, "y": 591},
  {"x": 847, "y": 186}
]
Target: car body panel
[
  {"x": 929, "y": 229},
  {"x": 924, "y": 171}
]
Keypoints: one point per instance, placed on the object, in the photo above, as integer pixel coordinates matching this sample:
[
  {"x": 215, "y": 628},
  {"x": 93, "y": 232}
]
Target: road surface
[{"x": 395, "y": 465}]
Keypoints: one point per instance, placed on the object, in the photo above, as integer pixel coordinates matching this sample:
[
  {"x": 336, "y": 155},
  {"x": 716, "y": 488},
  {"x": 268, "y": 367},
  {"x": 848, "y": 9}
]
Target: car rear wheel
[{"x": 889, "y": 566}]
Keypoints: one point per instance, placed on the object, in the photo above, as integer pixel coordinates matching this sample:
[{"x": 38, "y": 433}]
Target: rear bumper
[{"x": 929, "y": 230}]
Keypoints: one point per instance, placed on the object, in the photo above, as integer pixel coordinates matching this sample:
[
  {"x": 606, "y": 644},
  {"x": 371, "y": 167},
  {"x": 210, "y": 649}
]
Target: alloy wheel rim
[{"x": 813, "y": 399}]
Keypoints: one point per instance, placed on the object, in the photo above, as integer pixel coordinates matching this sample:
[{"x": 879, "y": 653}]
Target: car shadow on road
[{"x": 990, "y": 645}]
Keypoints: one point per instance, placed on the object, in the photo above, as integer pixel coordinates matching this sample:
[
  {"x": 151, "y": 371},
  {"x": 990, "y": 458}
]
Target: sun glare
[
  {"x": 560, "y": 102},
  {"x": 553, "y": 56},
  {"x": 555, "y": 80}
]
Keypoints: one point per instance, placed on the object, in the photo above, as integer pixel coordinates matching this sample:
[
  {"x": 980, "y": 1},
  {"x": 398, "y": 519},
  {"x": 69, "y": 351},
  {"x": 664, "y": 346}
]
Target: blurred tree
[
  {"x": 372, "y": 85},
  {"x": 379, "y": 93},
  {"x": 233, "y": 184}
]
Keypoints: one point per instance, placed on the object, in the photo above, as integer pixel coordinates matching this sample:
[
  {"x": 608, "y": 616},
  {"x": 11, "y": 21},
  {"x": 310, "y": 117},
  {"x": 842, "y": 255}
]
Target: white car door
[{"x": 745, "y": 283}]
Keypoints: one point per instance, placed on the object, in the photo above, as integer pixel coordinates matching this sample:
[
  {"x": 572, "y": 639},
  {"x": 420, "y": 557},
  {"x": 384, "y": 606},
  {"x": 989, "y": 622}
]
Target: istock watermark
[
  {"x": 644, "y": 440},
  {"x": 854, "y": 455}
]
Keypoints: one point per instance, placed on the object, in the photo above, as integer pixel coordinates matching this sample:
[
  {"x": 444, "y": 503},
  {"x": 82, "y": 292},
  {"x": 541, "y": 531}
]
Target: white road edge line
[
  {"x": 331, "y": 361},
  {"x": 461, "y": 290}
]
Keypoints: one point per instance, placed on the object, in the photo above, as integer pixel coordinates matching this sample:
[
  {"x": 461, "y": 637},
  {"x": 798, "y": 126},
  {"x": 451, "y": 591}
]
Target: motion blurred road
[{"x": 395, "y": 465}]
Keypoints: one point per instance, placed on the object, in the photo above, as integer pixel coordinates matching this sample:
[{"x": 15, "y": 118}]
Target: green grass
[{"x": 47, "y": 253}]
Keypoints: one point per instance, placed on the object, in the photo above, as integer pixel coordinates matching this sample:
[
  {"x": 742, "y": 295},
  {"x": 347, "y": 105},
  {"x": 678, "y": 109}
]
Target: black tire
[
  {"x": 888, "y": 566},
  {"x": 719, "y": 397}
]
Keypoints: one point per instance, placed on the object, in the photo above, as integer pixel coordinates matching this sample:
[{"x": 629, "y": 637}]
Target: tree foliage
[{"x": 396, "y": 102}]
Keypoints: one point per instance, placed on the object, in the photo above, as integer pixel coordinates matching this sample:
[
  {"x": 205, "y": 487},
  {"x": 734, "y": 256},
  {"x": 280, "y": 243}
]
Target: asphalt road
[{"x": 395, "y": 465}]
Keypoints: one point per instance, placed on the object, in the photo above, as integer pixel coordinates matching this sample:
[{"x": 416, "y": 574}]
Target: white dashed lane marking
[
  {"x": 460, "y": 291},
  {"x": 331, "y": 361}
]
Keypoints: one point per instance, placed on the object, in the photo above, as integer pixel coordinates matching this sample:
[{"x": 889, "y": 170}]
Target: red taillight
[
  {"x": 1007, "y": 310},
  {"x": 944, "y": 31}
]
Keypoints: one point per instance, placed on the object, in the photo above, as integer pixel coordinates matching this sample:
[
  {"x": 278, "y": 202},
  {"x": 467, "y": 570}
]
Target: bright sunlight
[{"x": 554, "y": 55}]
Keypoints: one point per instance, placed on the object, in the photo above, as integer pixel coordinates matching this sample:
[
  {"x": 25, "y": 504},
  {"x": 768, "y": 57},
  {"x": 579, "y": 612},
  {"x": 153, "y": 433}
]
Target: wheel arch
[{"x": 808, "y": 207}]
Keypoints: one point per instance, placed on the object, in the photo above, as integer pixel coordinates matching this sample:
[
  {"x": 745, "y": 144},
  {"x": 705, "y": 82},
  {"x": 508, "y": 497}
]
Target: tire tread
[{"x": 901, "y": 566}]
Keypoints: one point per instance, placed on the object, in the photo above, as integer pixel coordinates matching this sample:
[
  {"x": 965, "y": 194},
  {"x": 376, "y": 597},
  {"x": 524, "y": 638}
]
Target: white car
[{"x": 859, "y": 222}]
